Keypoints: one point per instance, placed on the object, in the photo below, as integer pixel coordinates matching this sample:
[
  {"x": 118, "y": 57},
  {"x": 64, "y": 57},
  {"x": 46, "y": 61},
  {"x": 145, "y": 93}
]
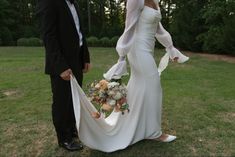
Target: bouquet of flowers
[{"x": 109, "y": 95}]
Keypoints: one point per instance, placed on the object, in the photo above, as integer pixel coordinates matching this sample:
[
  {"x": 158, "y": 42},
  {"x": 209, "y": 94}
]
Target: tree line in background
[{"x": 196, "y": 25}]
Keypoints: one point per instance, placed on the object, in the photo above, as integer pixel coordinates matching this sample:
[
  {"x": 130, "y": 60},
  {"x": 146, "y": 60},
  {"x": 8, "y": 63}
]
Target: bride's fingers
[{"x": 175, "y": 59}]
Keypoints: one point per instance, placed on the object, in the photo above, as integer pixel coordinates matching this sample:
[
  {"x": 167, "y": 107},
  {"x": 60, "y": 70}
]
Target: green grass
[{"x": 198, "y": 106}]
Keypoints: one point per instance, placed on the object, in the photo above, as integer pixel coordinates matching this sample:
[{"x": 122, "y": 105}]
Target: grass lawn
[{"x": 198, "y": 106}]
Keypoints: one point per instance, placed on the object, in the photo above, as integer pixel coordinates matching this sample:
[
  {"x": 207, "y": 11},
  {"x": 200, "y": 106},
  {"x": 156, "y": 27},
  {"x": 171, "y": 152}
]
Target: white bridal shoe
[{"x": 169, "y": 138}]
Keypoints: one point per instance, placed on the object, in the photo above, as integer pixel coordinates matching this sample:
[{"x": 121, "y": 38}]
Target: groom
[{"x": 66, "y": 54}]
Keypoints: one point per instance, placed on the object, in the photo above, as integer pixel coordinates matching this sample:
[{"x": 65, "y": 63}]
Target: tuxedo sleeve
[
  {"x": 86, "y": 54},
  {"x": 55, "y": 61}
]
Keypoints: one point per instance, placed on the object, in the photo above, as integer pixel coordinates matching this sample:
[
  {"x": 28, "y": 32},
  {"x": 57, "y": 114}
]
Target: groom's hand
[
  {"x": 66, "y": 74},
  {"x": 87, "y": 67}
]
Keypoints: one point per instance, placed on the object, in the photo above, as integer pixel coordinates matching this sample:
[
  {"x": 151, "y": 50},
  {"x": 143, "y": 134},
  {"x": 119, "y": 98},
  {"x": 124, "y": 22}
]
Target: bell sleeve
[{"x": 165, "y": 39}]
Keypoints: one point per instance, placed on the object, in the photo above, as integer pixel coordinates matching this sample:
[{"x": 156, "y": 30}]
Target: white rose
[
  {"x": 112, "y": 84},
  {"x": 111, "y": 93},
  {"x": 111, "y": 102},
  {"x": 117, "y": 96},
  {"x": 97, "y": 86}
]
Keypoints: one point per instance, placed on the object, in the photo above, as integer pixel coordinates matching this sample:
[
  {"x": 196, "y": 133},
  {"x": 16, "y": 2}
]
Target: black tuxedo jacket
[{"x": 60, "y": 38}]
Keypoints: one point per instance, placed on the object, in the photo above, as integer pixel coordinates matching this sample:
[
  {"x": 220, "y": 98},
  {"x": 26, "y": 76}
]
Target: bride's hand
[
  {"x": 121, "y": 58},
  {"x": 175, "y": 59}
]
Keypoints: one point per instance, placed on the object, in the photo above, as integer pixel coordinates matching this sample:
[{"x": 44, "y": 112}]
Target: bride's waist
[
  {"x": 146, "y": 31},
  {"x": 144, "y": 36},
  {"x": 142, "y": 43}
]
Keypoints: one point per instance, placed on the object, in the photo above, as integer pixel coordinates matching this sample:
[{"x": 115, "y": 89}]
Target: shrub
[
  {"x": 114, "y": 40},
  {"x": 102, "y": 42},
  {"x": 0, "y": 42},
  {"x": 93, "y": 41},
  {"x": 6, "y": 36},
  {"x": 22, "y": 42},
  {"x": 34, "y": 42},
  {"x": 29, "y": 42},
  {"x": 105, "y": 42},
  {"x": 209, "y": 43}
]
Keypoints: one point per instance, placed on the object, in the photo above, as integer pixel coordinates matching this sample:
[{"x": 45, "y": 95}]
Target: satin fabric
[{"x": 144, "y": 97}]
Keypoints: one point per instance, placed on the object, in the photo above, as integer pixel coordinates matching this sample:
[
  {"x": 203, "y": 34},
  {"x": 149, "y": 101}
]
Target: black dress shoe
[
  {"x": 74, "y": 134},
  {"x": 71, "y": 146}
]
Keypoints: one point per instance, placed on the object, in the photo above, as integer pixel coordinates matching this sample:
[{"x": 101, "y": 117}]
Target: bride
[{"x": 144, "y": 89}]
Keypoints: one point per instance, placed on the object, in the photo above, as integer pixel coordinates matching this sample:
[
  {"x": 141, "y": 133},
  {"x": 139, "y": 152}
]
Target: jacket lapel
[
  {"x": 69, "y": 13},
  {"x": 79, "y": 17}
]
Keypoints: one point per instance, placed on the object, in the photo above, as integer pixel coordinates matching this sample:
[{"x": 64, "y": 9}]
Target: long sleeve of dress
[
  {"x": 171, "y": 52},
  {"x": 126, "y": 40},
  {"x": 124, "y": 43}
]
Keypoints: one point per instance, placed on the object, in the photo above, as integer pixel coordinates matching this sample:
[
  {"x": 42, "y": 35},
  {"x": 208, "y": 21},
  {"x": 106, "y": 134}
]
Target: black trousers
[{"x": 62, "y": 108}]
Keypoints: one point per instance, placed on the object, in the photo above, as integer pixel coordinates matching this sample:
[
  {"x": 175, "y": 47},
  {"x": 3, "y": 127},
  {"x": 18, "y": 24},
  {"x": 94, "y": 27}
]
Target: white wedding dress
[{"x": 144, "y": 97}]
